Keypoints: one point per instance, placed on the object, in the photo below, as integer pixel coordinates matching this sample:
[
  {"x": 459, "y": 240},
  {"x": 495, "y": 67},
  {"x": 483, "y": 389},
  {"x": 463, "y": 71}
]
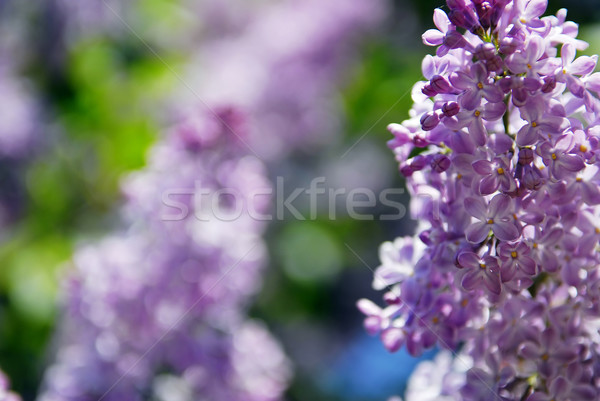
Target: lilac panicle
[
  {"x": 19, "y": 114},
  {"x": 504, "y": 266},
  {"x": 285, "y": 74},
  {"x": 160, "y": 305}
]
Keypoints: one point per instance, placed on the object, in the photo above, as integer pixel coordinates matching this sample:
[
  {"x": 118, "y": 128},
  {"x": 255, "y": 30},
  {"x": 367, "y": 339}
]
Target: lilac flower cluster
[
  {"x": 500, "y": 155},
  {"x": 158, "y": 309},
  {"x": 20, "y": 122},
  {"x": 19, "y": 114},
  {"x": 286, "y": 76},
  {"x": 83, "y": 20},
  {"x": 131, "y": 286}
]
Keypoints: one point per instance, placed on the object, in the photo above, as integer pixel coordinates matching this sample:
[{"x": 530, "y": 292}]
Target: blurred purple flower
[{"x": 165, "y": 299}]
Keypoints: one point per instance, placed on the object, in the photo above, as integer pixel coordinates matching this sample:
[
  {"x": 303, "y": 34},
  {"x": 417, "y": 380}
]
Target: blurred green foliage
[{"x": 98, "y": 128}]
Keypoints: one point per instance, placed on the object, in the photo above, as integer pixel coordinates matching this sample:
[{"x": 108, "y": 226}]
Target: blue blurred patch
[{"x": 367, "y": 371}]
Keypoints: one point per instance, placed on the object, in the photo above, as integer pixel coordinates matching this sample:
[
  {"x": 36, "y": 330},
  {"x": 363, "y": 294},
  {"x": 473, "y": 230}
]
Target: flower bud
[
  {"x": 549, "y": 84},
  {"x": 509, "y": 45},
  {"x": 464, "y": 17},
  {"x": 484, "y": 12},
  {"x": 525, "y": 156},
  {"x": 418, "y": 163},
  {"x": 532, "y": 178},
  {"x": 406, "y": 170},
  {"x": 495, "y": 64},
  {"x": 429, "y": 121},
  {"x": 440, "y": 163},
  {"x": 450, "y": 109},
  {"x": 428, "y": 91},
  {"x": 440, "y": 84},
  {"x": 455, "y": 40},
  {"x": 506, "y": 84},
  {"x": 485, "y": 51}
]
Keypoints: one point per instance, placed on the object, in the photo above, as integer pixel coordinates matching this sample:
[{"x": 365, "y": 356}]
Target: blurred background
[{"x": 87, "y": 87}]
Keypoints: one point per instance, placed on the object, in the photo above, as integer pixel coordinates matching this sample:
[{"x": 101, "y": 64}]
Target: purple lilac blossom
[
  {"x": 20, "y": 110},
  {"x": 285, "y": 75},
  {"x": 20, "y": 126},
  {"x": 160, "y": 305},
  {"x": 86, "y": 19},
  {"x": 19, "y": 114},
  {"x": 506, "y": 272}
]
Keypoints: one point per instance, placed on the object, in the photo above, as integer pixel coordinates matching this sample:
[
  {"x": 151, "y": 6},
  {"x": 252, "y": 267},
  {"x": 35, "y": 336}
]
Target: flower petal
[
  {"x": 499, "y": 205},
  {"x": 461, "y": 80},
  {"x": 477, "y": 232},
  {"x": 505, "y": 230},
  {"x": 527, "y": 265},
  {"x": 392, "y": 339},
  {"x": 476, "y": 207},
  {"x": 470, "y": 99},
  {"x": 567, "y": 54},
  {"x": 590, "y": 193},
  {"x": 494, "y": 111},
  {"x": 492, "y": 283},
  {"x": 471, "y": 280},
  {"x": 478, "y": 132},
  {"x": 432, "y": 37},
  {"x": 571, "y": 162},
  {"x": 440, "y": 19},
  {"x": 583, "y": 65},
  {"x": 483, "y": 167},
  {"x": 527, "y": 135},
  {"x": 493, "y": 93},
  {"x": 489, "y": 184}
]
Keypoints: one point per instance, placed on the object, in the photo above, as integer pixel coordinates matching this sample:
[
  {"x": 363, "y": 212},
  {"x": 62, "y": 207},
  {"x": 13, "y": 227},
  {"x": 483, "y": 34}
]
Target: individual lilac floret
[
  {"x": 515, "y": 258},
  {"x": 557, "y": 158},
  {"x": 476, "y": 84},
  {"x": 19, "y": 113},
  {"x": 475, "y": 121},
  {"x": 479, "y": 272},
  {"x": 495, "y": 174},
  {"x": 538, "y": 122},
  {"x": 497, "y": 217},
  {"x": 571, "y": 69},
  {"x": 529, "y": 60},
  {"x": 435, "y": 37}
]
